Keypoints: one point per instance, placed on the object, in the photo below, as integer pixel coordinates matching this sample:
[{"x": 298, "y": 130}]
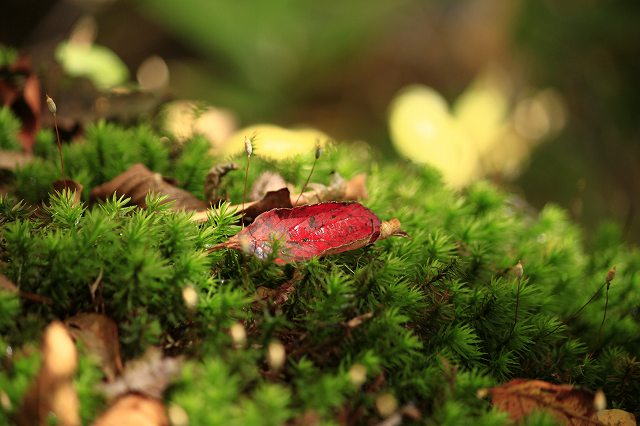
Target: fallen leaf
[
  {"x": 149, "y": 375},
  {"x": 99, "y": 335},
  {"x": 567, "y": 404},
  {"x": 339, "y": 190},
  {"x": 616, "y": 417},
  {"x": 137, "y": 181},
  {"x": 184, "y": 119},
  {"x": 10, "y": 160},
  {"x": 274, "y": 142},
  {"x": 310, "y": 231},
  {"x": 267, "y": 182},
  {"x": 272, "y": 200},
  {"x": 357, "y": 321},
  {"x": 278, "y": 296},
  {"x": 53, "y": 390},
  {"x": 20, "y": 90},
  {"x": 214, "y": 178},
  {"x": 134, "y": 410}
]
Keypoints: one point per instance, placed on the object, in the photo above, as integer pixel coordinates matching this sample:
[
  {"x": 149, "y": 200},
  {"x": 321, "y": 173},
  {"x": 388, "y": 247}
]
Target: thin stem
[
  {"x": 308, "y": 179},
  {"x": 55, "y": 123},
  {"x": 515, "y": 315},
  {"x": 246, "y": 180},
  {"x": 576, "y": 313},
  {"x": 604, "y": 315}
]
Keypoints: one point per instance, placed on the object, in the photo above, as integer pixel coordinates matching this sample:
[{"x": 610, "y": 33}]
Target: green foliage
[
  {"x": 429, "y": 320},
  {"x": 9, "y": 127},
  {"x": 15, "y": 379}
]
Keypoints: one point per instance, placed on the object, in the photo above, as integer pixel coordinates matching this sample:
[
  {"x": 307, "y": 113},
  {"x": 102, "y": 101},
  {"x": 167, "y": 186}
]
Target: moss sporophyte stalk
[{"x": 407, "y": 328}]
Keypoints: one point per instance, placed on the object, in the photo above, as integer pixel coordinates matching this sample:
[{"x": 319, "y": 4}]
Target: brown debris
[
  {"x": 280, "y": 295},
  {"x": 137, "y": 181},
  {"x": 149, "y": 375},
  {"x": 11, "y": 160},
  {"x": 520, "y": 397},
  {"x": 337, "y": 191},
  {"x": 134, "y": 410},
  {"x": 265, "y": 183},
  {"x": 53, "y": 392},
  {"x": 99, "y": 335},
  {"x": 20, "y": 90},
  {"x": 272, "y": 200},
  {"x": 213, "y": 180}
]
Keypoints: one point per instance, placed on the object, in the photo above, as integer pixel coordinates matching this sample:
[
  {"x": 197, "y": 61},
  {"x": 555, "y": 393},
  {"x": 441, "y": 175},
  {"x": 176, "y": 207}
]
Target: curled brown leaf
[{"x": 138, "y": 181}]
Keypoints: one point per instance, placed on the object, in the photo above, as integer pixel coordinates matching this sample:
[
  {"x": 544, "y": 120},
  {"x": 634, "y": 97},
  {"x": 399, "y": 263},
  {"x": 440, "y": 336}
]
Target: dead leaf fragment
[
  {"x": 616, "y": 417},
  {"x": 359, "y": 320},
  {"x": 267, "y": 182},
  {"x": 567, "y": 404},
  {"x": 272, "y": 200},
  {"x": 213, "y": 180},
  {"x": 20, "y": 90},
  {"x": 137, "y": 181},
  {"x": 11, "y": 160},
  {"x": 134, "y": 410},
  {"x": 149, "y": 375},
  {"x": 278, "y": 296},
  {"x": 99, "y": 335},
  {"x": 53, "y": 390},
  {"x": 339, "y": 190}
]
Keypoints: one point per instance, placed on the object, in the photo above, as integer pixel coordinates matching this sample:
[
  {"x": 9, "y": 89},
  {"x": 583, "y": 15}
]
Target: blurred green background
[{"x": 337, "y": 66}]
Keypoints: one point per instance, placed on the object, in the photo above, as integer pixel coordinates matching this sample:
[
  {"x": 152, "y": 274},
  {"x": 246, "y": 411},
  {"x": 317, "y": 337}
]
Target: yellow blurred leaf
[
  {"x": 97, "y": 63},
  {"x": 423, "y": 130},
  {"x": 274, "y": 142}
]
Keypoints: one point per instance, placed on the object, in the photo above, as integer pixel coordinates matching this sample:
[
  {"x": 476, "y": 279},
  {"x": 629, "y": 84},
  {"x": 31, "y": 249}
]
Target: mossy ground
[{"x": 439, "y": 308}]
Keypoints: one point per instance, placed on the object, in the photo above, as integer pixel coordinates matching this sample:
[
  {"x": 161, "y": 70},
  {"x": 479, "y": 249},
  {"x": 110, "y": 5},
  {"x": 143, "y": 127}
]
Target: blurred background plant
[{"x": 544, "y": 95}]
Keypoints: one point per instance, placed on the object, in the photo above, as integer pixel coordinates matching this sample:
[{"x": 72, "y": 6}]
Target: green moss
[
  {"x": 9, "y": 127},
  {"x": 442, "y": 313}
]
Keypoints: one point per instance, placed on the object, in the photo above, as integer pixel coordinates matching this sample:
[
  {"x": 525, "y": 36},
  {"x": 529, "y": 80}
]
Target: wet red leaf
[{"x": 311, "y": 231}]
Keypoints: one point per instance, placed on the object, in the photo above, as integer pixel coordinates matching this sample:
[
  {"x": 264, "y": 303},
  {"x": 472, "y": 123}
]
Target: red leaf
[{"x": 310, "y": 231}]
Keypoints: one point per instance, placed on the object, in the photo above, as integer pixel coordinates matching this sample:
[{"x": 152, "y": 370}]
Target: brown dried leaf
[
  {"x": 10, "y": 160},
  {"x": 53, "y": 390},
  {"x": 134, "y": 410},
  {"x": 137, "y": 181},
  {"x": 565, "y": 403},
  {"x": 278, "y": 296},
  {"x": 20, "y": 90},
  {"x": 272, "y": 200},
  {"x": 149, "y": 375},
  {"x": 339, "y": 190},
  {"x": 266, "y": 182},
  {"x": 214, "y": 178},
  {"x": 99, "y": 335},
  {"x": 616, "y": 417},
  {"x": 359, "y": 320}
]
